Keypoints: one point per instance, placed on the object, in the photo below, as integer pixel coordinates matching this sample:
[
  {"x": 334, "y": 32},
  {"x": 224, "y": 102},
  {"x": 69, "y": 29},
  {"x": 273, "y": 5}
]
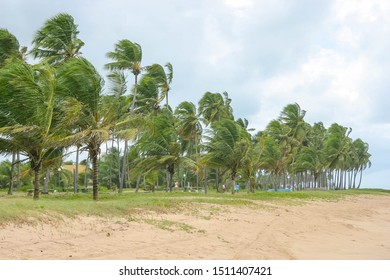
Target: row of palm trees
[{"x": 60, "y": 101}]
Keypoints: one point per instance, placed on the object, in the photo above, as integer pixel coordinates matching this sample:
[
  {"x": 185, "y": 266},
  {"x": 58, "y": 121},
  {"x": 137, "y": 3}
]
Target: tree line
[{"x": 60, "y": 102}]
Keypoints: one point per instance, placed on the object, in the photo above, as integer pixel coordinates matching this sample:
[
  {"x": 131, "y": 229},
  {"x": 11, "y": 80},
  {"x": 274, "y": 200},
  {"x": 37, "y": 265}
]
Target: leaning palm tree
[
  {"x": 227, "y": 145},
  {"x": 189, "y": 126},
  {"x": 162, "y": 78},
  {"x": 80, "y": 88},
  {"x": 10, "y": 50},
  {"x": 213, "y": 107},
  {"x": 57, "y": 39},
  {"x": 127, "y": 56},
  {"x": 28, "y": 122},
  {"x": 158, "y": 146}
]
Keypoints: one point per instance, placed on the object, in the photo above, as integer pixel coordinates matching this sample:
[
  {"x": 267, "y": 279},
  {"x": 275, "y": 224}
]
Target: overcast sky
[{"x": 330, "y": 56}]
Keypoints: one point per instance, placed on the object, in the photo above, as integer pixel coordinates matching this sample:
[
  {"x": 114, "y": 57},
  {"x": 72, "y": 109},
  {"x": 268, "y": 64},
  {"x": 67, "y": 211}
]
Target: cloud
[{"x": 329, "y": 56}]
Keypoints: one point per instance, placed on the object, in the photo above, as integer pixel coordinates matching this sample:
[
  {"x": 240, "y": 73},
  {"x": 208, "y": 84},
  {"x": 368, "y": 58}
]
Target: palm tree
[
  {"x": 189, "y": 129},
  {"x": 188, "y": 125},
  {"x": 57, "y": 40},
  {"x": 226, "y": 146},
  {"x": 213, "y": 107},
  {"x": 118, "y": 100},
  {"x": 148, "y": 99},
  {"x": 28, "y": 122},
  {"x": 9, "y": 50},
  {"x": 162, "y": 78},
  {"x": 126, "y": 56},
  {"x": 159, "y": 147},
  {"x": 80, "y": 88},
  {"x": 293, "y": 116},
  {"x": 336, "y": 149}
]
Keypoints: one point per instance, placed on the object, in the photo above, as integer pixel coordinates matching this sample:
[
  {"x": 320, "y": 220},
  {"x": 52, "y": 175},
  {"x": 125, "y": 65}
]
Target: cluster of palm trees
[
  {"x": 300, "y": 156},
  {"x": 59, "y": 103}
]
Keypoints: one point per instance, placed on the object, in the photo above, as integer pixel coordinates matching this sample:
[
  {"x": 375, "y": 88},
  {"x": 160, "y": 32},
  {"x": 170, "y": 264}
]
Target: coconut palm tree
[
  {"x": 213, "y": 107},
  {"x": 162, "y": 78},
  {"x": 158, "y": 146},
  {"x": 189, "y": 129},
  {"x": 127, "y": 56},
  {"x": 189, "y": 126},
  {"x": 28, "y": 122},
  {"x": 9, "y": 50},
  {"x": 362, "y": 160},
  {"x": 80, "y": 88},
  {"x": 57, "y": 40},
  {"x": 226, "y": 145}
]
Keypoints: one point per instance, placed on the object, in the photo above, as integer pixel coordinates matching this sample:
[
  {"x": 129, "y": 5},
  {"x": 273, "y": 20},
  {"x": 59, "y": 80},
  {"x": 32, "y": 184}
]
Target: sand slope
[{"x": 354, "y": 228}]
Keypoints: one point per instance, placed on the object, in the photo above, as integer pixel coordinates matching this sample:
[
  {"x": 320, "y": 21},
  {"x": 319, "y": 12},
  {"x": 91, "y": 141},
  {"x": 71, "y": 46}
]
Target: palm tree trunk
[
  {"x": 205, "y": 180},
  {"x": 119, "y": 169},
  {"x": 36, "y": 167},
  {"x": 76, "y": 172},
  {"x": 95, "y": 182},
  {"x": 135, "y": 93},
  {"x": 11, "y": 181},
  {"x": 46, "y": 182},
  {"x": 360, "y": 179},
  {"x": 124, "y": 167},
  {"x": 170, "y": 172},
  {"x": 18, "y": 170},
  {"x": 111, "y": 163},
  {"x": 217, "y": 179},
  {"x": 86, "y": 175},
  {"x": 138, "y": 182}
]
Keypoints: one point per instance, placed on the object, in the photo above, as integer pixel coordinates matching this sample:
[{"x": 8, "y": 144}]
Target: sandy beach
[{"x": 355, "y": 228}]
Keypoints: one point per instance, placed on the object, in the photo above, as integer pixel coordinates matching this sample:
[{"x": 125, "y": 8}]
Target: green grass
[
  {"x": 20, "y": 208},
  {"x": 170, "y": 225}
]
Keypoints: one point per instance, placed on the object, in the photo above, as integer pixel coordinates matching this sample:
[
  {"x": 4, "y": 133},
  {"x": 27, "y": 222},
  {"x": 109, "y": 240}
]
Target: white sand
[{"x": 355, "y": 228}]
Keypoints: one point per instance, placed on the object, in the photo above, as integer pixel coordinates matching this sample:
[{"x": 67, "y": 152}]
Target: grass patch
[{"x": 170, "y": 225}]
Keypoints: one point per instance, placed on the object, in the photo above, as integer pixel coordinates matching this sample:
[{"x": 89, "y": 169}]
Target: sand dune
[{"x": 354, "y": 228}]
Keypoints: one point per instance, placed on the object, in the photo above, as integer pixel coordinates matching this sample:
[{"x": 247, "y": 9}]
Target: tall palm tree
[
  {"x": 9, "y": 50},
  {"x": 116, "y": 98},
  {"x": 28, "y": 122},
  {"x": 337, "y": 147},
  {"x": 293, "y": 116},
  {"x": 57, "y": 39},
  {"x": 188, "y": 125},
  {"x": 362, "y": 160},
  {"x": 159, "y": 147},
  {"x": 127, "y": 55},
  {"x": 80, "y": 88},
  {"x": 226, "y": 146},
  {"x": 189, "y": 129}
]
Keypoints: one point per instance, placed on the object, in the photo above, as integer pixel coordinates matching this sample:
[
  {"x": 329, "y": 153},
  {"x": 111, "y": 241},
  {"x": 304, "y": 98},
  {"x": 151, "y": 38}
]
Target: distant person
[{"x": 237, "y": 188}]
